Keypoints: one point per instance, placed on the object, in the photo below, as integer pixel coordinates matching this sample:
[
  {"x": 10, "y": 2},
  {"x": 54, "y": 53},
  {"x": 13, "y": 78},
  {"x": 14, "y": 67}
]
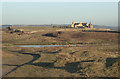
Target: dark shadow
[
  {"x": 85, "y": 52},
  {"x": 111, "y": 61},
  {"x": 73, "y": 52},
  {"x": 55, "y": 34},
  {"x": 72, "y": 67},
  {"x": 100, "y": 31},
  {"x": 88, "y": 61},
  {"x": 50, "y": 35},
  {"x": 35, "y": 57},
  {"x": 43, "y": 64},
  {"x": 69, "y": 67}
]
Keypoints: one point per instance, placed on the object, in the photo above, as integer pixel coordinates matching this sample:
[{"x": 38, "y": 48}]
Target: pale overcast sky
[{"x": 100, "y": 13}]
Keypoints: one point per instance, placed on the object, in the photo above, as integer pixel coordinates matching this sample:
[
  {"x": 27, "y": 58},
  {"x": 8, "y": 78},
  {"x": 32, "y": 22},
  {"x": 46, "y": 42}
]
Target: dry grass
[
  {"x": 68, "y": 36},
  {"x": 69, "y": 61},
  {"x": 94, "y": 60}
]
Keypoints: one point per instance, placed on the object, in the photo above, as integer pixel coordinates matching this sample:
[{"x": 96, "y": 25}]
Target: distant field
[
  {"x": 68, "y": 36},
  {"x": 99, "y": 58}
]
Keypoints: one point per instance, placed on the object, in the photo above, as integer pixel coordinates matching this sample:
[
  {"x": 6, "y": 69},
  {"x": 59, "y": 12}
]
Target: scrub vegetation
[{"x": 98, "y": 58}]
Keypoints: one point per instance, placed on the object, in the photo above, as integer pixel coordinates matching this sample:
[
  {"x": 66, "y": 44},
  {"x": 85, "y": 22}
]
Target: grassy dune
[
  {"x": 68, "y": 36},
  {"x": 96, "y": 59}
]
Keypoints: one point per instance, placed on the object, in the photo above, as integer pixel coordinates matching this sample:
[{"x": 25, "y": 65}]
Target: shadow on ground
[
  {"x": 35, "y": 57},
  {"x": 111, "y": 61},
  {"x": 69, "y": 67},
  {"x": 55, "y": 34}
]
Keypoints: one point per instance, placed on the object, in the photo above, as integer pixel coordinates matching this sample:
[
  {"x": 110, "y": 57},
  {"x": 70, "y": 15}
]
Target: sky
[
  {"x": 99, "y": 13},
  {"x": 59, "y": 0}
]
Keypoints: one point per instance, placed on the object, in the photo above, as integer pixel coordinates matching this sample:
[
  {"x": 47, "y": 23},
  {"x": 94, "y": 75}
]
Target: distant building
[{"x": 81, "y": 25}]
